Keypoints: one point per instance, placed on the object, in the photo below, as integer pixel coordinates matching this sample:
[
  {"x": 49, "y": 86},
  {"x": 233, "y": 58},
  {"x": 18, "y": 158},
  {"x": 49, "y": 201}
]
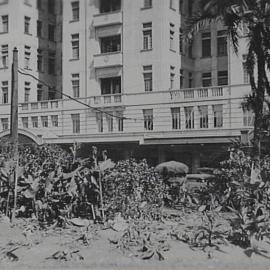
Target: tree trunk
[{"x": 259, "y": 101}]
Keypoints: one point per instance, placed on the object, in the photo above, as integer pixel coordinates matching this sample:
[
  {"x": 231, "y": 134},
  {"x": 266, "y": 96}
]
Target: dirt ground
[{"x": 34, "y": 249}]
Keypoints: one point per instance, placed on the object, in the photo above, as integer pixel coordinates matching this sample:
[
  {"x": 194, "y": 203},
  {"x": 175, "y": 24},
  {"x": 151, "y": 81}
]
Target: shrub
[{"x": 133, "y": 189}]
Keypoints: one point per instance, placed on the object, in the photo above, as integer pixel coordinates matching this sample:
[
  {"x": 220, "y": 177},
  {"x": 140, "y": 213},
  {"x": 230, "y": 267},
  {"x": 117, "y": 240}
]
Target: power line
[
  {"x": 21, "y": 71},
  {"x": 70, "y": 97}
]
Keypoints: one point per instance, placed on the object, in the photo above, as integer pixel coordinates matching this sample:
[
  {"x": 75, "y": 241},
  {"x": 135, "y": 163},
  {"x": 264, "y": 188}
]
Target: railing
[
  {"x": 54, "y": 104},
  {"x": 114, "y": 17},
  {"x": 197, "y": 93},
  {"x": 107, "y": 99}
]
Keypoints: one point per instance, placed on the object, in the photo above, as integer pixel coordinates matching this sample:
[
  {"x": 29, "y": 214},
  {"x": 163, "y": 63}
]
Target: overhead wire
[
  {"x": 23, "y": 72},
  {"x": 74, "y": 99}
]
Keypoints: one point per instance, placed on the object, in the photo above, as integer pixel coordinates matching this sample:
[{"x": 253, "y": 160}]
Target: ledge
[
  {"x": 74, "y": 21},
  {"x": 145, "y": 8},
  {"x": 148, "y": 50},
  {"x": 74, "y": 59}
]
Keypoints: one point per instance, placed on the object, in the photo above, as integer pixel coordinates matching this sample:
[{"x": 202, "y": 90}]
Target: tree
[{"x": 254, "y": 17}]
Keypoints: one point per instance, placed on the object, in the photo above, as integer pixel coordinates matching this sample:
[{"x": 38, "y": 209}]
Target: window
[
  {"x": 76, "y": 85},
  {"x": 218, "y": 115},
  {"x": 147, "y": 76},
  {"x": 27, "y": 54},
  {"x": 147, "y": 36},
  {"x": 190, "y": 80},
  {"x": 147, "y": 4},
  {"x": 51, "y": 63},
  {"x": 76, "y": 123},
  {"x": 39, "y": 92},
  {"x": 148, "y": 119},
  {"x": 109, "y": 118},
  {"x": 248, "y": 117},
  {"x": 206, "y": 79},
  {"x": 39, "y": 28},
  {"x": 206, "y": 44},
  {"x": 189, "y": 117},
  {"x": 222, "y": 43},
  {"x": 39, "y": 60},
  {"x": 75, "y": 46},
  {"x": 54, "y": 120},
  {"x": 110, "y": 44},
  {"x": 176, "y": 120},
  {"x": 181, "y": 48},
  {"x": 27, "y": 89},
  {"x": 120, "y": 121},
  {"x": 190, "y": 50},
  {"x": 99, "y": 119},
  {"x": 223, "y": 77},
  {"x": 51, "y": 95},
  {"x": 34, "y": 120},
  {"x": 203, "y": 112},
  {"x": 172, "y": 36},
  {"x": 109, "y": 6},
  {"x": 5, "y": 92},
  {"x": 27, "y": 25},
  {"x": 181, "y": 6},
  {"x": 181, "y": 78},
  {"x": 27, "y": 2},
  {"x": 25, "y": 122},
  {"x": 44, "y": 121},
  {"x": 190, "y": 7},
  {"x": 51, "y": 6},
  {"x": 110, "y": 85},
  {"x": 172, "y": 77},
  {"x": 172, "y": 4},
  {"x": 4, "y": 51},
  {"x": 4, "y": 122},
  {"x": 39, "y": 4},
  {"x": 75, "y": 10},
  {"x": 51, "y": 32},
  {"x": 5, "y": 23},
  {"x": 245, "y": 69}
]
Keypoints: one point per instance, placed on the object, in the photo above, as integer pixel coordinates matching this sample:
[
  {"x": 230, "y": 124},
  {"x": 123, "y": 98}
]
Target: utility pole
[{"x": 14, "y": 123}]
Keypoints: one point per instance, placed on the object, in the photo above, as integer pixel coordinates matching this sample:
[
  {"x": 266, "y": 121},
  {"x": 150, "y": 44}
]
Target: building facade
[{"x": 129, "y": 82}]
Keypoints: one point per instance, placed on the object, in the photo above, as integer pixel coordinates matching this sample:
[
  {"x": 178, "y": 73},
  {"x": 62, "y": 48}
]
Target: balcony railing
[
  {"x": 102, "y": 19},
  {"x": 53, "y": 104},
  {"x": 115, "y": 99},
  {"x": 108, "y": 59},
  {"x": 198, "y": 93}
]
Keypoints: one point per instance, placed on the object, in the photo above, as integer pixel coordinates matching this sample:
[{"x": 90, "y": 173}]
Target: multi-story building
[
  {"x": 131, "y": 84},
  {"x": 34, "y": 28}
]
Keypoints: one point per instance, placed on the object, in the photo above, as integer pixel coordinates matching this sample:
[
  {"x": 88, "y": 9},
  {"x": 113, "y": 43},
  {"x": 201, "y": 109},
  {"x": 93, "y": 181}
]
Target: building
[{"x": 129, "y": 82}]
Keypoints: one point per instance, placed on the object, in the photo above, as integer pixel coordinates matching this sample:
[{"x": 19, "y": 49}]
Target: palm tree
[{"x": 254, "y": 16}]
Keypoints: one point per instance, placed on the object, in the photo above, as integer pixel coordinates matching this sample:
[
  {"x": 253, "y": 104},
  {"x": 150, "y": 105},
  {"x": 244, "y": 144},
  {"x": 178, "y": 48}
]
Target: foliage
[
  {"x": 133, "y": 189},
  {"x": 145, "y": 240},
  {"x": 209, "y": 234},
  {"x": 249, "y": 19},
  {"x": 54, "y": 185},
  {"x": 244, "y": 185},
  {"x": 50, "y": 185}
]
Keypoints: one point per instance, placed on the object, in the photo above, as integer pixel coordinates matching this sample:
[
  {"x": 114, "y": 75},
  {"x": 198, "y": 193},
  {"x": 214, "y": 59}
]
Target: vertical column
[
  {"x": 196, "y": 161},
  {"x": 182, "y": 118},
  {"x": 210, "y": 117},
  {"x": 196, "y": 117},
  {"x": 161, "y": 154}
]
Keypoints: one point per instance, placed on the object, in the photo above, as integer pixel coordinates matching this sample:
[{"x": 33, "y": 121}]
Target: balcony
[
  {"x": 110, "y": 18},
  {"x": 41, "y": 105},
  {"x": 107, "y": 100},
  {"x": 108, "y": 60},
  {"x": 199, "y": 93}
]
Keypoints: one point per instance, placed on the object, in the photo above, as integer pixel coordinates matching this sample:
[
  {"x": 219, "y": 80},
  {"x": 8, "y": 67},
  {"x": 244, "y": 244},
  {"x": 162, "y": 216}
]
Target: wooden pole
[{"x": 14, "y": 123}]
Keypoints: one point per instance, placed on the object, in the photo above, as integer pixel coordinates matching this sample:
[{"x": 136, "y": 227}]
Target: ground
[{"x": 35, "y": 248}]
